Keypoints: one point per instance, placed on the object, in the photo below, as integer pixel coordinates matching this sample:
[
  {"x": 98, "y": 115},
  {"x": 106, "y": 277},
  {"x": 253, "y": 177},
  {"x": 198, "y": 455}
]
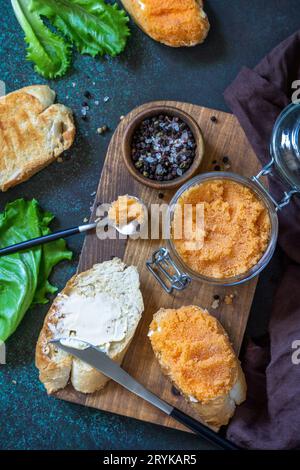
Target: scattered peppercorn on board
[{"x": 226, "y": 148}]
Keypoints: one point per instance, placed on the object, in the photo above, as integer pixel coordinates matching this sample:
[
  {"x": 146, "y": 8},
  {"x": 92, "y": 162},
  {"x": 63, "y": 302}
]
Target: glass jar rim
[
  {"x": 282, "y": 134},
  {"x": 266, "y": 257}
]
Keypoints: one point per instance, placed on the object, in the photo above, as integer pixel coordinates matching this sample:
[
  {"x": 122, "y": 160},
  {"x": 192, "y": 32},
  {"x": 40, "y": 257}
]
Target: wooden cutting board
[{"x": 222, "y": 138}]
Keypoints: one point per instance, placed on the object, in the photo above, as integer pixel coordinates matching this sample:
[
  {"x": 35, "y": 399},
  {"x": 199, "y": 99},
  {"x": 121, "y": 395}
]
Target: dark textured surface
[{"x": 242, "y": 32}]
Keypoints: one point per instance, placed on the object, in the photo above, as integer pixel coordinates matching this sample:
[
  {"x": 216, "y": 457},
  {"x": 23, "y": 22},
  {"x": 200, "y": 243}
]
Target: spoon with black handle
[{"x": 132, "y": 228}]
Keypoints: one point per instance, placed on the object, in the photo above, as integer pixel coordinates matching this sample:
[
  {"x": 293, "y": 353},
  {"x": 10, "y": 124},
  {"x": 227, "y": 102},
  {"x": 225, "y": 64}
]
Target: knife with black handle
[{"x": 100, "y": 361}]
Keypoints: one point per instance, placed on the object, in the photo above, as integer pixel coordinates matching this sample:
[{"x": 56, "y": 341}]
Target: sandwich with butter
[
  {"x": 33, "y": 133},
  {"x": 101, "y": 306},
  {"x": 175, "y": 23},
  {"x": 194, "y": 351}
]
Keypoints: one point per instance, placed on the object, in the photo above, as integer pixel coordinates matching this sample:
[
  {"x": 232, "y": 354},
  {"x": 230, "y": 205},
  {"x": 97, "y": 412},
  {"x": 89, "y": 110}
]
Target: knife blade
[{"x": 102, "y": 362}]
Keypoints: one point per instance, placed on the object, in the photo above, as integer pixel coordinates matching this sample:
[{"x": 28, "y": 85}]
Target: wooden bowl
[{"x": 135, "y": 123}]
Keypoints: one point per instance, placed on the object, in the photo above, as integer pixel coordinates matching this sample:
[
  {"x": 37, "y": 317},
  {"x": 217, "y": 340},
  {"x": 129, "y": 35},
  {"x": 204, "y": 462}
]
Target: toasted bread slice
[
  {"x": 33, "y": 133},
  {"x": 175, "y": 23},
  {"x": 81, "y": 306},
  {"x": 194, "y": 351}
]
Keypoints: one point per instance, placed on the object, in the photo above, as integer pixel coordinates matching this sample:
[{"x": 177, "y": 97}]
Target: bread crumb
[
  {"x": 85, "y": 220},
  {"x": 215, "y": 304},
  {"x": 102, "y": 130},
  {"x": 14, "y": 382},
  {"x": 59, "y": 159},
  {"x": 193, "y": 399},
  {"x": 228, "y": 299}
]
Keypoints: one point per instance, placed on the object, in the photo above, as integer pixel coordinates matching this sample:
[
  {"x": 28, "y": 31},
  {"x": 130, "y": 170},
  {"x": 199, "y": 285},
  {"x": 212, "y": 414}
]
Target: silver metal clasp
[
  {"x": 287, "y": 195},
  {"x": 166, "y": 272}
]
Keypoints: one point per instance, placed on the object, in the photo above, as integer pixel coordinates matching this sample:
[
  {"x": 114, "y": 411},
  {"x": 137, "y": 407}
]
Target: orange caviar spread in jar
[{"x": 237, "y": 228}]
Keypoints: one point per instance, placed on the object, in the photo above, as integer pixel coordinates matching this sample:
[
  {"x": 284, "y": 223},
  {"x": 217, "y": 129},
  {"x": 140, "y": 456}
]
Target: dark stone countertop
[{"x": 242, "y": 32}]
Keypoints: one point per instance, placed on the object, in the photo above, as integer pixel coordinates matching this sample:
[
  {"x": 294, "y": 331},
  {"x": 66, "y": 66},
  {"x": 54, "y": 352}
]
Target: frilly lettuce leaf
[
  {"x": 24, "y": 275},
  {"x": 49, "y": 52},
  {"x": 94, "y": 26}
]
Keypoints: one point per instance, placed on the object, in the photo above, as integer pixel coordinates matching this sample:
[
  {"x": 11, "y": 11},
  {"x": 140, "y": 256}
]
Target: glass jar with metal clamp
[{"x": 166, "y": 264}]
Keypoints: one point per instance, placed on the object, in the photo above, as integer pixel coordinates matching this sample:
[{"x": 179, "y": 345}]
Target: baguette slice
[
  {"x": 194, "y": 351},
  {"x": 33, "y": 133},
  {"x": 115, "y": 283},
  {"x": 175, "y": 23}
]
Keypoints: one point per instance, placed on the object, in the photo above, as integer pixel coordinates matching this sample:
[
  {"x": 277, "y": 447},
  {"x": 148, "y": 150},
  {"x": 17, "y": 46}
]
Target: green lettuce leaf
[
  {"x": 24, "y": 275},
  {"x": 50, "y": 53},
  {"x": 94, "y": 26}
]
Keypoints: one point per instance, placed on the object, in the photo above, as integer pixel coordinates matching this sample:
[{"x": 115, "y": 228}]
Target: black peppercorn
[
  {"x": 175, "y": 391},
  {"x": 163, "y": 148},
  {"x": 213, "y": 119}
]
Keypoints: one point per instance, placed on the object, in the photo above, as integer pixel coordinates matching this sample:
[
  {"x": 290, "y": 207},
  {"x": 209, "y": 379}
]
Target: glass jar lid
[{"x": 285, "y": 145}]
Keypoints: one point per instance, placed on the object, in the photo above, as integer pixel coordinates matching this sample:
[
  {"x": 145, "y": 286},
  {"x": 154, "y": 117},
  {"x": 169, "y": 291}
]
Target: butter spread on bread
[
  {"x": 93, "y": 327},
  {"x": 33, "y": 133},
  {"x": 101, "y": 306},
  {"x": 175, "y": 23},
  {"x": 194, "y": 351}
]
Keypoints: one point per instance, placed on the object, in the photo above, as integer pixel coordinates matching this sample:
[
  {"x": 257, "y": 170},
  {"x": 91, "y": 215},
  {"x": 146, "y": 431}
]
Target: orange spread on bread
[
  {"x": 175, "y": 23},
  {"x": 181, "y": 22},
  {"x": 194, "y": 348}
]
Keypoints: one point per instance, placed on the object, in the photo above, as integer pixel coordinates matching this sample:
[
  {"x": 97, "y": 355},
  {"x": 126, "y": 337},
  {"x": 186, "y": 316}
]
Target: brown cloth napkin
[{"x": 270, "y": 417}]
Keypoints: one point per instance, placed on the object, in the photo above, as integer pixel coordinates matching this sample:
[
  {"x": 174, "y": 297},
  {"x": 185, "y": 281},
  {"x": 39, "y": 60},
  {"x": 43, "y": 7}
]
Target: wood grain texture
[{"x": 225, "y": 137}]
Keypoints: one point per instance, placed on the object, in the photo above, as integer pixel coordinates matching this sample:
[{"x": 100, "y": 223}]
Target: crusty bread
[
  {"x": 111, "y": 278},
  {"x": 33, "y": 132},
  {"x": 175, "y": 23},
  {"x": 194, "y": 351}
]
